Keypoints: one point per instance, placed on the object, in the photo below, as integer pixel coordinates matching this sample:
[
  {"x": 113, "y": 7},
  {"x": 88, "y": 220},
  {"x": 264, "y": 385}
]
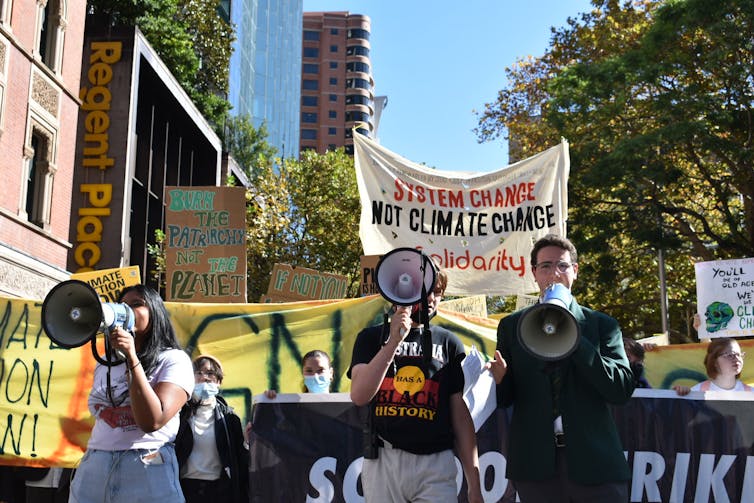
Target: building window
[
  {"x": 310, "y": 85},
  {"x": 311, "y": 35},
  {"x": 6, "y": 7},
  {"x": 357, "y": 99},
  {"x": 333, "y": 81},
  {"x": 358, "y": 84},
  {"x": 357, "y": 66},
  {"x": 309, "y": 101},
  {"x": 38, "y": 176},
  {"x": 333, "y": 65},
  {"x": 333, "y": 31},
  {"x": 310, "y": 68},
  {"x": 311, "y": 52},
  {"x": 332, "y": 131},
  {"x": 357, "y": 117},
  {"x": 51, "y": 22},
  {"x": 309, "y": 117},
  {"x": 308, "y": 134},
  {"x": 358, "y": 33},
  {"x": 357, "y": 50},
  {"x": 333, "y": 97},
  {"x": 332, "y": 114},
  {"x": 333, "y": 48}
]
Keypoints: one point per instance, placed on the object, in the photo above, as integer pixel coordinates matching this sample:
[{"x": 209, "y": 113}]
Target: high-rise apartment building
[
  {"x": 337, "y": 88},
  {"x": 265, "y": 68}
]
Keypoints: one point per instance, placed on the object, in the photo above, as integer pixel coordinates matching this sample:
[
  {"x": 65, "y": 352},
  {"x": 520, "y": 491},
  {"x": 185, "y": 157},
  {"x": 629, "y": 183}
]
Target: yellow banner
[
  {"x": 44, "y": 389},
  {"x": 110, "y": 282}
]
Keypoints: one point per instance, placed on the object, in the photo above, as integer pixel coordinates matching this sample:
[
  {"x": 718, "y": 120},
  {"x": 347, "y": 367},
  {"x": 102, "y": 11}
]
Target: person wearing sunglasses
[
  {"x": 724, "y": 363},
  {"x": 563, "y": 444},
  {"x": 212, "y": 455}
]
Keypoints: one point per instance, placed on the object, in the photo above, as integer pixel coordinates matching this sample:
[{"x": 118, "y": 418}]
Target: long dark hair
[{"x": 161, "y": 335}]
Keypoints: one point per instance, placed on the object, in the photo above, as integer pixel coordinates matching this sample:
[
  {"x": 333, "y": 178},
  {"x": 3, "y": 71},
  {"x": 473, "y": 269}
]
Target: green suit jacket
[{"x": 595, "y": 375}]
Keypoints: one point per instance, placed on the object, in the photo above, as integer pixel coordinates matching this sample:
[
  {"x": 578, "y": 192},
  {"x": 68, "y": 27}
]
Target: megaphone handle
[{"x": 112, "y": 355}]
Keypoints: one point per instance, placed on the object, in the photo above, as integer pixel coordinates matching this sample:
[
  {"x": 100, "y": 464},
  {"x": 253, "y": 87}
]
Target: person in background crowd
[
  {"x": 130, "y": 456},
  {"x": 11, "y": 484},
  {"x": 47, "y": 485},
  {"x": 318, "y": 376},
  {"x": 563, "y": 441},
  {"x": 317, "y": 372},
  {"x": 635, "y": 353},
  {"x": 210, "y": 446},
  {"x": 416, "y": 409},
  {"x": 724, "y": 363}
]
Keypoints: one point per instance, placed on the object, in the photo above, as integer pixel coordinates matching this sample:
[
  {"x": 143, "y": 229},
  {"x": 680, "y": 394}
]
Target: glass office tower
[{"x": 265, "y": 68}]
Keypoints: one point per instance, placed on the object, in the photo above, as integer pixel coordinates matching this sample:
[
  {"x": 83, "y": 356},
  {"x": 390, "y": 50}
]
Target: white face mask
[{"x": 205, "y": 390}]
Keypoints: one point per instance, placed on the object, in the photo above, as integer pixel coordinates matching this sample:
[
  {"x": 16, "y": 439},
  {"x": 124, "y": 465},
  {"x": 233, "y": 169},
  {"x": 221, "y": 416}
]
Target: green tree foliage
[
  {"x": 304, "y": 213},
  {"x": 190, "y": 37},
  {"x": 247, "y": 144},
  {"x": 655, "y": 99}
]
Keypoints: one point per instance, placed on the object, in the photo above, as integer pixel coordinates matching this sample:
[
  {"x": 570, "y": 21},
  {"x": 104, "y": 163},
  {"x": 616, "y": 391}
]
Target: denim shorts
[{"x": 133, "y": 476}]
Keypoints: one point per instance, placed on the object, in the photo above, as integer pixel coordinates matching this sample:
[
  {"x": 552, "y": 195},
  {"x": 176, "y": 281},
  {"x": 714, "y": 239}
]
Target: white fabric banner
[{"x": 479, "y": 226}]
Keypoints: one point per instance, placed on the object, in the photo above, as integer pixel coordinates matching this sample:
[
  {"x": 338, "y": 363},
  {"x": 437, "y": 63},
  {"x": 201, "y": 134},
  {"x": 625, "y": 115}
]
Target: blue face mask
[
  {"x": 205, "y": 390},
  {"x": 318, "y": 383}
]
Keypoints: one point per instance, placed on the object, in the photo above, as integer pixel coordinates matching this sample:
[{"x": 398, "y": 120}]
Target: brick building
[{"x": 40, "y": 68}]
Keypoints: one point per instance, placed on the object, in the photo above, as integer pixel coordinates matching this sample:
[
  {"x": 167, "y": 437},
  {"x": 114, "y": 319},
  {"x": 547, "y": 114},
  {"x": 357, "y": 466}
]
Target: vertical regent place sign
[{"x": 96, "y": 158}]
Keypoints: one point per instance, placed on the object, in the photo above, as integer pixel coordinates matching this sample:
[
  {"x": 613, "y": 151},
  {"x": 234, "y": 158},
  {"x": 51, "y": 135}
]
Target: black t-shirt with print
[{"x": 411, "y": 409}]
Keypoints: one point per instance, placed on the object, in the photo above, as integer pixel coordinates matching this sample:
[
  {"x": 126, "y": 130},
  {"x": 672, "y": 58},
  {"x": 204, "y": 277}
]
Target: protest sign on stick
[{"x": 725, "y": 298}]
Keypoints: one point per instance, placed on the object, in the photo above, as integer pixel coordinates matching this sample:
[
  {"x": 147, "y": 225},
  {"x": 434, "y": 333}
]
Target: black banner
[{"x": 308, "y": 448}]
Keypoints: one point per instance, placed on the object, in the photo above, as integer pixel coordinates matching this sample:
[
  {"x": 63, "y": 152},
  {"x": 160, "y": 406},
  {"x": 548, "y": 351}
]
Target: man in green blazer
[{"x": 563, "y": 445}]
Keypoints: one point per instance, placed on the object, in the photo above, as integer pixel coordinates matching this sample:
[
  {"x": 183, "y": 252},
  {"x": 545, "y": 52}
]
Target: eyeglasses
[
  {"x": 734, "y": 356},
  {"x": 562, "y": 266},
  {"x": 209, "y": 374}
]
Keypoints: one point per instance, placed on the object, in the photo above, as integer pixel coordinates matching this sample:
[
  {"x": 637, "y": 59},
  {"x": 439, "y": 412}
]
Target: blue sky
[{"x": 438, "y": 61}]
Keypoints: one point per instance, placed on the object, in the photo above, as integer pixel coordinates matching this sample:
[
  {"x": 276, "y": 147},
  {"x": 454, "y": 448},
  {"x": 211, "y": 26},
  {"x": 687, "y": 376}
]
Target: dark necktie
[{"x": 556, "y": 383}]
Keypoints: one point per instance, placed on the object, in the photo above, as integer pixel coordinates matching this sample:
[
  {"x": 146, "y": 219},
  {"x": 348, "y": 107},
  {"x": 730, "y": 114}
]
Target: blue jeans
[{"x": 138, "y": 475}]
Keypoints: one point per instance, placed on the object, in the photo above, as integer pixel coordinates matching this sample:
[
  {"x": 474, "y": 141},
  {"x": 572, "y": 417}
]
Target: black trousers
[{"x": 202, "y": 491}]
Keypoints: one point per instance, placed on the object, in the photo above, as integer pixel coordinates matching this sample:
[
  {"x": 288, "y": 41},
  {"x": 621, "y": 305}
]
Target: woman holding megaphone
[{"x": 130, "y": 455}]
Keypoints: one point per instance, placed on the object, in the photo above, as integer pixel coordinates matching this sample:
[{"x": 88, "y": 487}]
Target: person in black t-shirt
[{"x": 416, "y": 409}]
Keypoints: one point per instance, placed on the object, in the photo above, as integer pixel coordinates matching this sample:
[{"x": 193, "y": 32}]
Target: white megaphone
[
  {"x": 548, "y": 330},
  {"x": 73, "y": 314},
  {"x": 401, "y": 273}
]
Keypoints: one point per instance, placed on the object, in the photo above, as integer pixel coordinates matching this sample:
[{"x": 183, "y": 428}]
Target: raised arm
[
  {"x": 152, "y": 407},
  {"x": 366, "y": 377}
]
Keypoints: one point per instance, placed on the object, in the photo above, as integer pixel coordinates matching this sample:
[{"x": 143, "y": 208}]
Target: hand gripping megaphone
[
  {"x": 406, "y": 277},
  {"x": 548, "y": 330},
  {"x": 73, "y": 314}
]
